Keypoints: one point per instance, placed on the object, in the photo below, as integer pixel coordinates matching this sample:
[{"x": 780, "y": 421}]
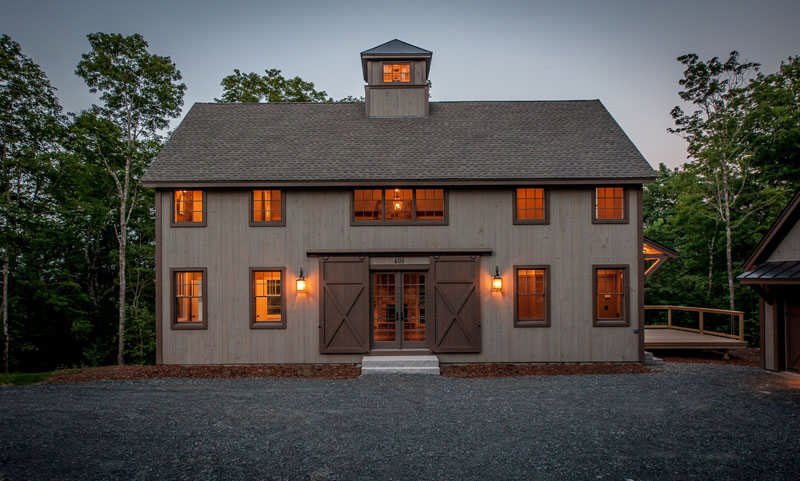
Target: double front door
[{"x": 398, "y": 309}]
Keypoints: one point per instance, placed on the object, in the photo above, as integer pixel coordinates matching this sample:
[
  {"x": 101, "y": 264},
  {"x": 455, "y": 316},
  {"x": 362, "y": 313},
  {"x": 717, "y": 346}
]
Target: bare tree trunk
[
  {"x": 726, "y": 205},
  {"x": 6, "y": 343},
  {"x": 123, "y": 244},
  {"x": 711, "y": 246}
]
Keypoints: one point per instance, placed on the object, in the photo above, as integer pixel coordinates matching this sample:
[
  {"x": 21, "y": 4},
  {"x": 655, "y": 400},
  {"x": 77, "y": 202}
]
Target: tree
[
  {"x": 139, "y": 92},
  {"x": 270, "y": 87},
  {"x": 30, "y": 125},
  {"x": 716, "y": 134}
]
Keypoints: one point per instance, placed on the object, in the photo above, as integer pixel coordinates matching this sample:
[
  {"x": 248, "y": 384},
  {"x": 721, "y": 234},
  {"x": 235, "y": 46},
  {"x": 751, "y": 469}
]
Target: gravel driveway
[{"x": 689, "y": 421}]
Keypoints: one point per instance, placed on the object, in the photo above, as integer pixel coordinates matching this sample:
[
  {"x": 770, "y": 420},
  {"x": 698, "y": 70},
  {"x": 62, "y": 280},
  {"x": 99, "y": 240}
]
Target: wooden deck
[{"x": 665, "y": 338}]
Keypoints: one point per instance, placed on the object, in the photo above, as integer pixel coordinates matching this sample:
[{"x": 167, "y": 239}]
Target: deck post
[
  {"x": 669, "y": 317},
  {"x": 741, "y": 326},
  {"x": 701, "y": 322}
]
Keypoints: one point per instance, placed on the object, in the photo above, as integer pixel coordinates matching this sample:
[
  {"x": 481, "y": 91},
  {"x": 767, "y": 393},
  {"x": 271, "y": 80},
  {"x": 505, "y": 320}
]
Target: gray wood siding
[
  {"x": 570, "y": 245},
  {"x": 397, "y": 102},
  {"x": 789, "y": 248}
]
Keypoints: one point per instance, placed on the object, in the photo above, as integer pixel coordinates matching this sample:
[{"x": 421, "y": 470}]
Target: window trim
[
  {"x": 251, "y": 280},
  {"x": 180, "y": 326},
  {"x": 625, "y": 321},
  {"x": 383, "y": 221},
  {"x": 625, "y": 214},
  {"x": 396, "y": 62},
  {"x": 529, "y": 323},
  {"x": 546, "y": 220},
  {"x": 203, "y": 200},
  {"x": 272, "y": 223}
]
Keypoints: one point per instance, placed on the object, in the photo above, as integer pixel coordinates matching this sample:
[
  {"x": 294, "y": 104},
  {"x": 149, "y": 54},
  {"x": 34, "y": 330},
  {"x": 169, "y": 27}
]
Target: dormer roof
[{"x": 395, "y": 49}]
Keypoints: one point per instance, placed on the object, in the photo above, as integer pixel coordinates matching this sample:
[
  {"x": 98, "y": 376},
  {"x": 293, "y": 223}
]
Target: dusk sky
[{"x": 621, "y": 52}]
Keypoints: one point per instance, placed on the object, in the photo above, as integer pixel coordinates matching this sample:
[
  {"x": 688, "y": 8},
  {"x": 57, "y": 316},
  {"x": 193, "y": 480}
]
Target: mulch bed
[
  {"x": 129, "y": 373},
  {"x": 508, "y": 370},
  {"x": 750, "y": 356}
]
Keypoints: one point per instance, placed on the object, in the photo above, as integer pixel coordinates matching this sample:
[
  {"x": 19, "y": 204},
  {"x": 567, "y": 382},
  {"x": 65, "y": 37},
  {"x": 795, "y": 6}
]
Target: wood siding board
[
  {"x": 320, "y": 218},
  {"x": 159, "y": 279},
  {"x": 640, "y": 274}
]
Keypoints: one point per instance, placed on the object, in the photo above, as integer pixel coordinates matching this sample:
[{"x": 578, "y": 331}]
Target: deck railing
[{"x": 736, "y": 329}]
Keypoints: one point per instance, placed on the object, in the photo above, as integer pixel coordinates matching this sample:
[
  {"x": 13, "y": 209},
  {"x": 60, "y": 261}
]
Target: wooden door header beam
[{"x": 478, "y": 251}]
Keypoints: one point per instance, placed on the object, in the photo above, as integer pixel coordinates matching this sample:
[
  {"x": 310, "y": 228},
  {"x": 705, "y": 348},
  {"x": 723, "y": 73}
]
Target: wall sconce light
[
  {"x": 301, "y": 282},
  {"x": 497, "y": 280}
]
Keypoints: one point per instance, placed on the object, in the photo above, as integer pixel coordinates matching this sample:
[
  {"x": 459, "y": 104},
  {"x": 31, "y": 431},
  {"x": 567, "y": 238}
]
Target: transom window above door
[{"x": 399, "y": 206}]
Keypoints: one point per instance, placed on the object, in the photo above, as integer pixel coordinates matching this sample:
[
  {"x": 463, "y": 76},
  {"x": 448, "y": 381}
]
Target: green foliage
[
  {"x": 744, "y": 127},
  {"x": 24, "y": 378},
  {"x": 270, "y": 87}
]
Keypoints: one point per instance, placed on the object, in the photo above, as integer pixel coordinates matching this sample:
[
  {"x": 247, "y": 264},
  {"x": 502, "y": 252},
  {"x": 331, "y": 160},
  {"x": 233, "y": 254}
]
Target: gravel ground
[{"x": 687, "y": 421}]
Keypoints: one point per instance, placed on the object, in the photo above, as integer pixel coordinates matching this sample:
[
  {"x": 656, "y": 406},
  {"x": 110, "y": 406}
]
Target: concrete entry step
[{"x": 400, "y": 365}]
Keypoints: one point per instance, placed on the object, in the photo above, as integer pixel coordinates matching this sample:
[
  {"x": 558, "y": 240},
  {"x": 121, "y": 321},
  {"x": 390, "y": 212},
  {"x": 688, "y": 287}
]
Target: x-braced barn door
[
  {"x": 344, "y": 316},
  {"x": 457, "y": 304}
]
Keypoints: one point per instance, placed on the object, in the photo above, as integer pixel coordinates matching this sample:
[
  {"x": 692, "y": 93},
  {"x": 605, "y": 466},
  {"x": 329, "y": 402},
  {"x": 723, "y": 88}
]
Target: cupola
[{"x": 396, "y": 74}]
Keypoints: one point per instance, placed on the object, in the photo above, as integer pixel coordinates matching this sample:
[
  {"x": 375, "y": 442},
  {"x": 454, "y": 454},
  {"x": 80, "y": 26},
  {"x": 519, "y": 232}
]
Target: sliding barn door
[
  {"x": 457, "y": 309},
  {"x": 344, "y": 316}
]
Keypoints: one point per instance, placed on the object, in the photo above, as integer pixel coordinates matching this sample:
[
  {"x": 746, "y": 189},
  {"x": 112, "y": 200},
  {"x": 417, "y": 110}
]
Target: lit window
[
  {"x": 530, "y": 205},
  {"x": 188, "y": 206},
  {"x": 399, "y": 205},
  {"x": 189, "y": 291},
  {"x": 531, "y": 292},
  {"x": 267, "y": 298},
  {"x": 609, "y": 203},
  {"x": 397, "y": 72},
  {"x": 610, "y": 295},
  {"x": 430, "y": 204},
  {"x": 267, "y": 207},
  {"x": 368, "y": 205}
]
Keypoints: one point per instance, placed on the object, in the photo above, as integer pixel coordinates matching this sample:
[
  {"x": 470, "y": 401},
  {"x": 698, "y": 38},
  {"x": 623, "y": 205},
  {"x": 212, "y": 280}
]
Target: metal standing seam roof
[
  {"x": 337, "y": 142},
  {"x": 773, "y": 271}
]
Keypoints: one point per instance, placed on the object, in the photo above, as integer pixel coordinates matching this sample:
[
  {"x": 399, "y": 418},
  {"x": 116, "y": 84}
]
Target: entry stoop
[{"x": 400, "y": 365}]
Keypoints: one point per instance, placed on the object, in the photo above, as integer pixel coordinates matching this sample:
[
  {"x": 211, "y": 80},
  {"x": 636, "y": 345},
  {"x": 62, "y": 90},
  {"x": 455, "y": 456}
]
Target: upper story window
[
  {"x": 396, "y": 72},
  {"x": 401, "y": 206},
  {"x": 266, "y": 208},
  {"x": 609, "y": 205},
  {"x": 189, "y": 293},
  {"x": 610, "y": 295},
  {"x": 267, "y": 299},
  {"x": 188, "y": 207},
  {"x": 530, "y": 206}
]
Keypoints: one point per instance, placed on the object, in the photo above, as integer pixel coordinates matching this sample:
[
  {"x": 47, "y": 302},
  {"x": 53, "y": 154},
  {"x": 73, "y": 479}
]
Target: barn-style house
[{"x": 473, "y": 231}]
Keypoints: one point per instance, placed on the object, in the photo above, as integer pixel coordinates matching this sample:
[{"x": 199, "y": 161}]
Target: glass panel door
[
  {"x": 384, "y": 309},
  {"x": 392, "y": 327},
  {"x": 414, "y": 307}
]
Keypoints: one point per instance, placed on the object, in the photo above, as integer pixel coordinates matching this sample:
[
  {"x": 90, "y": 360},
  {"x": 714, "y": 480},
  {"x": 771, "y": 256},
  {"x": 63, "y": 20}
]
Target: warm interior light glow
[
  {"x": 497, "y": 280},
  {"x": 497, "y": 284}
]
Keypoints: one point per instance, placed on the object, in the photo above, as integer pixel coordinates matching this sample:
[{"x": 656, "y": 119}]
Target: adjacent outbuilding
[{"x": 774, "y": 271}]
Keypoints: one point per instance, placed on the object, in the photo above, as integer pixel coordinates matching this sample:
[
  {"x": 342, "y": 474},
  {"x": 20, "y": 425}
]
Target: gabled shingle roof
[
  {"x": 397, "y": 47},
  {"x": 336, "y": 143}
]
